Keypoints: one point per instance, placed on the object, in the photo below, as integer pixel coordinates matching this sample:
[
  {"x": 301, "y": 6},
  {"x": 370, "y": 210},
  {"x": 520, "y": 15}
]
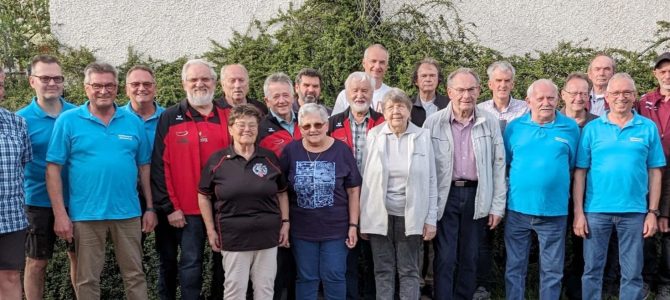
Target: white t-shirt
[{"x": 341, "y": 103}]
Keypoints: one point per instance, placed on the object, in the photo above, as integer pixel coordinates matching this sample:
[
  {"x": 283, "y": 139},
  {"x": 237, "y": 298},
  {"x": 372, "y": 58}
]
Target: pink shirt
[{"x": 465, "y": 167}]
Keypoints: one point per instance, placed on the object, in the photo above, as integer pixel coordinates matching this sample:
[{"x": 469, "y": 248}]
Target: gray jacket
[{"x": 489, "y": 151}]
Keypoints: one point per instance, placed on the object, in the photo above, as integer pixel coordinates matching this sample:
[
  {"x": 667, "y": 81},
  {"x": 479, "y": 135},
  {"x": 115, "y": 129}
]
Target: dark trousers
[
  {"x": 359, "y": 261},
  {"x": 286, "y": 274},
  {"x": 457, "y": 246}
]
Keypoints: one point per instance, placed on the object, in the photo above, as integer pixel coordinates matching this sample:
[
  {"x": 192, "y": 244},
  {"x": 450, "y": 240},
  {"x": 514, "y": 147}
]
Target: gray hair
[
  {"x": 197, "y": 61},
  {"x": 279, "y": 77},
  {"x": 502, "y": 66},
  {"x": 359, "y": 76},
  {"x": 310, "y": 109},
  {"x": 603, "y": 54},
  {"x": 396, "y": 95},
  {"x": 622, "y": 75},
  {"x": 531, "y": 88},
  {"x": 98, "y": 68},
  {"x": 378, "y": 46},
  {"x": 462, "y": 70},
  {"x": 223, "y": 70}
]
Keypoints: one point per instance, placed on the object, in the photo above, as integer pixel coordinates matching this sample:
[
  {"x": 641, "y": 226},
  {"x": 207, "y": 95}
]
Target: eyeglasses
[
  {"x": 145, "y": 84},
  {"x": 461, "y": 91},
  {"x": 47, "y": 79},
  {"x": 575, "y": 94},
  {"x": 626, "y": 94},
  {"x": 316, "y": 126},
  {"x": 99, "y": 87},
  {"x": 204, "y": 80},
  {"x": 241, "y": 125}
]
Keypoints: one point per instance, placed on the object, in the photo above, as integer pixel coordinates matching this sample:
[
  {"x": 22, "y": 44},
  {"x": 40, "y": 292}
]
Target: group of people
[{"x": 384, "y": 196}]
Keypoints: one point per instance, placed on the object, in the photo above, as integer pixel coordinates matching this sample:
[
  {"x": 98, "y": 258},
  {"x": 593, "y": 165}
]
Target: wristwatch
[{"x": 656, "y": 212}]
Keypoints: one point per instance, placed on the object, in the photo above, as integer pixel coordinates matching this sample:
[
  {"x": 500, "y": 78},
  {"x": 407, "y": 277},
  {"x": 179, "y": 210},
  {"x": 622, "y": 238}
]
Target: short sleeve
[
  {"x": 59, "y": 144},
  {"x": 656, "y": 158},
  {"x": 583, "y": 157}
]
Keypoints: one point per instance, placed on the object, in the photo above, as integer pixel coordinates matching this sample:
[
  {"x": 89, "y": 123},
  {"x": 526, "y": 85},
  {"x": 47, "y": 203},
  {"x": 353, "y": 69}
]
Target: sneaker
[
  {"x": 663, "y": 292},
  {"x": 481, "y": 294}
]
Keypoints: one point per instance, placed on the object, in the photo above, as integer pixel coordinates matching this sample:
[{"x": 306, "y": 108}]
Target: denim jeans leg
[
  {"x": 629, "y": 230},
  {"x": 306, "y": 255},
  {"x": 383, "y": 253},
  {"x": 333, "y": 269},
  {"x": 166, "y": 246},
  {"x": 600, "y": 227},
  {"x": 192, "y": 244},
  {"x": 551, "y": 236},
  {"x": 517, "y": 246},
  {"x": 408, "y": 249}
]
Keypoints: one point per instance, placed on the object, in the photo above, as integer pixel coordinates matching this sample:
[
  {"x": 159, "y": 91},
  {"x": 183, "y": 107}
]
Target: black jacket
[{"x": 418, "y": 115}]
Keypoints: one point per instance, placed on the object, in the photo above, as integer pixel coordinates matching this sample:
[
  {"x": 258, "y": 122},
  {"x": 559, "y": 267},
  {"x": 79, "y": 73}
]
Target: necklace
[{"x": 310, "y": 158}]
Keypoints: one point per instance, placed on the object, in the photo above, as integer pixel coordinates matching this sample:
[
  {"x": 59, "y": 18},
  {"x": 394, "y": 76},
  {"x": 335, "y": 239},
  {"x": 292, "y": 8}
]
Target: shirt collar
[
  {"x": 633, "y": 121},
  {"x": 157, "y": 112},
  {"x": 281, "y": 120},
  {"x": 411, "y": 128},
  {"x": 353, "y": 121}
]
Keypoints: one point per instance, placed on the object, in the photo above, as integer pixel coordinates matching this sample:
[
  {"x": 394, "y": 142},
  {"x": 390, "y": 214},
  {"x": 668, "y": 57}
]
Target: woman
[
  {"x": 398, "y": 197},
  {"x": 324, "y": 187},
  {"x": 247, "y": 224}
]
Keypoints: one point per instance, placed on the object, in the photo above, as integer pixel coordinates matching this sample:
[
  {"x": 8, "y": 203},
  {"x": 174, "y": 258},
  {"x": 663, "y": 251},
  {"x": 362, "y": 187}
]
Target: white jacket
[
  {"x": 487, "y": 143},
  {"x": 421, "y": 190}
]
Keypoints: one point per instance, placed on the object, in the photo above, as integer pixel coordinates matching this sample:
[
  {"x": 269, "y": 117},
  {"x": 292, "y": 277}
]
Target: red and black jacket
[
  {"x": 176, "y": 159},
  {"x": 340, "y": 128},
  {"x": 273, "y": 137}
]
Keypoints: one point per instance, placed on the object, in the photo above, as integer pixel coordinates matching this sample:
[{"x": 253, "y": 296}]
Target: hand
[
  {"x": 580, "y": 226},
  {"x": 663, "y": 224},
  {"x": 177, "y": 219},
  {"x": 649, "y": 226},
  {"x": 63, "y": 228},
  {"x": 283, "y": 235},
  {"x": 429, "y": 232},
  {"x": 494, "y": 220},
  {"x": 149, "y": 221},
  {"x": 213, "y": 238},
  {"x": 353, "y": 237}
]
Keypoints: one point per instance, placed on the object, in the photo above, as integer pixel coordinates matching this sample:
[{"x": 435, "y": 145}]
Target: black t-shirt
[{"x": 244, "y": 196}]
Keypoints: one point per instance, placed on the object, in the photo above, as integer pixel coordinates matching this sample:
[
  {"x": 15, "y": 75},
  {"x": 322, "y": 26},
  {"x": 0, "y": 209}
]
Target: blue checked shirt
[
  {"x": 15, "y": 153},
  {"x": 358, "y": 135}
]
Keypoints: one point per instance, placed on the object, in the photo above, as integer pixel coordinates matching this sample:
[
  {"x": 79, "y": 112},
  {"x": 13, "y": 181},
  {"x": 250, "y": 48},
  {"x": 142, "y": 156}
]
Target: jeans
[
  {"x": 191, "y": 240},
  {"x": 325, "y": 262},
  {"x": 629, "y": 232},
  {"x": 457, "y": 246},
  {"x": 396, "y": 253},
  {"x": 551, "y": 236}
]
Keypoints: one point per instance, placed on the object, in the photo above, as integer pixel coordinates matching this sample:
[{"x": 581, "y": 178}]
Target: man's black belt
[{"x": 464, "y": 183}]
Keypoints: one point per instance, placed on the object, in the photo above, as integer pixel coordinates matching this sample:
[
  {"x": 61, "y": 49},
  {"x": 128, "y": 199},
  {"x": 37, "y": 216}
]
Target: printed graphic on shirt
[
  {"x": 260, "y": 169},
  {"x": 314, "y": 183}
]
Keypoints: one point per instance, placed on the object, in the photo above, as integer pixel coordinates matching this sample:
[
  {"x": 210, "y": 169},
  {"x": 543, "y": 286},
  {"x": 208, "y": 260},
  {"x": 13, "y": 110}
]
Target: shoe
[
  {"x": 645, "y": 291},
  {"x": 663, "y": 292},
  {"x": 481, "y": 294}
]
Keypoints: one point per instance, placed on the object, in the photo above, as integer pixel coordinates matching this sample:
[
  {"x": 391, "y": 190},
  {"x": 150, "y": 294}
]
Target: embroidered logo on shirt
[
  {"x": 278, "y": 141},
  {"x": 179, "y": 118},
  {"x": 125, "y": 137},
  {"x": 635, "y": 139},
  {"x": 271, "y": 129},
  {"x": 339, "y": 124},
  {"x": 260, "y": 169}
]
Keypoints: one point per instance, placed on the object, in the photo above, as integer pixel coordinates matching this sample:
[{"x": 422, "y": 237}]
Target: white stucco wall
[{"x": 167, "y": 29}]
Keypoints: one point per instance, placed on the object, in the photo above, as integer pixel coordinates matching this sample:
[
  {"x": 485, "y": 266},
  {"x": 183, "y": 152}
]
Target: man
[
  {"x": 47, "y": 80},
  {"x": 575, "y": 95},
  {"x": 503, "y": 105},
  {"x": 14, "y": 155},
  {"x": 540, "y": 148},
  {"x": 235, "y": 85},
  {"x": 103, "y": 148},
  {"x": 620, "y": 196},
  {"x": 427, "y": 76},
  {"x": 655, "y": 106},
  {"x": 187, "y": 134},
  {"x": 277, "y": 130},
  {"x": 308, "y": 88},
  {"x": 375, "y": 64},
  {"x": 467, "y": 142},
  {"x": 351, "y": 126},
  {"x": 600, "y": 70}
]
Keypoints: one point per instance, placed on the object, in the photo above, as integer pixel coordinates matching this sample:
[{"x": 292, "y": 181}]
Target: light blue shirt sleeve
[{"x": 59, "y": 144}]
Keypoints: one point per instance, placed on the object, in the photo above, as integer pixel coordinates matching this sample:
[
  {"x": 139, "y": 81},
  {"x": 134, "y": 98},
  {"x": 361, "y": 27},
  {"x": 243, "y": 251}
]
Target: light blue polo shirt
[
  {"x": 40, "y": 126},
  {"x": 618, "y": 160},
  {"x": 102, "y": 162},
  {"x": 540, "y": 160},
  {"x": 151, "y": 123}
]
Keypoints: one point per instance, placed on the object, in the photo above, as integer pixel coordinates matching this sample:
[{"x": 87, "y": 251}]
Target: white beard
[{"x": 200, "y": 99}]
